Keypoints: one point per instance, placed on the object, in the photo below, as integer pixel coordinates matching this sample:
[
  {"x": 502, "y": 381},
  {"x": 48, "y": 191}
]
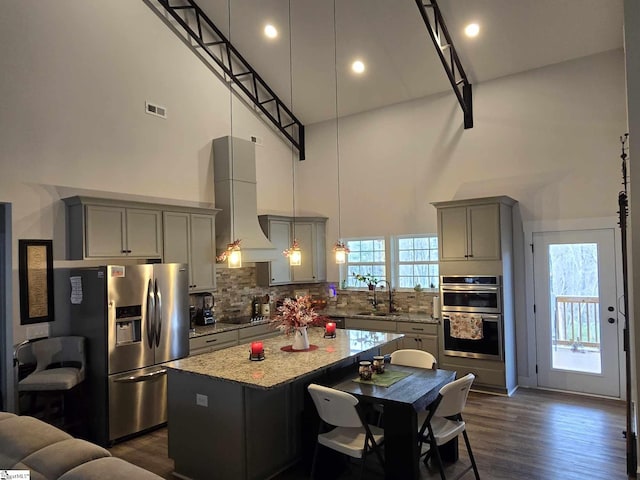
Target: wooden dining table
[{"x": 401, "y": 402}]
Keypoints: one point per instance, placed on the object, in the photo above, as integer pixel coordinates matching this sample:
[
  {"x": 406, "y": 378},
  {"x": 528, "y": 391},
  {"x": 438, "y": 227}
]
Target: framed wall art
[{"x": 35, "y": 266}]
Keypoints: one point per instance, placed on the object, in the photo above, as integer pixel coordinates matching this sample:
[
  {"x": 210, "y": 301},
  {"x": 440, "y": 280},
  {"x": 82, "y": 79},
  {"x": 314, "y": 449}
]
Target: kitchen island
[{"x": 232, "y": 418}]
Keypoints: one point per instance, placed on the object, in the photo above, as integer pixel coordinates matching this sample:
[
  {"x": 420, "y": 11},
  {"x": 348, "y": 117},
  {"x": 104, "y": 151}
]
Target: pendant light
[
  {"x": 234, "y": 254},
  {"x": 339, "y": 249},
  {"x": 293, "y": 253}
]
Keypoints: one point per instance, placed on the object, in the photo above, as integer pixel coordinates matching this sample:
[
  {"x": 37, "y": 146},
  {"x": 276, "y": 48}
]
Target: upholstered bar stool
[{"x": 60, "y": 368}]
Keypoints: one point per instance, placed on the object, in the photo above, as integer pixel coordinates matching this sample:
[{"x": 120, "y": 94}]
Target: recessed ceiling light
[
  {"x": 270, "y": 31},
  {"x": 357, "y": 66},
  {"x": 472, "y": 30}
]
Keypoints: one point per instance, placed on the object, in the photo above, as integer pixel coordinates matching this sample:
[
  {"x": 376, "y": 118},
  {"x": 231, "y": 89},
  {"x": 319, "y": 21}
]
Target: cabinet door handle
[
  {"x": 212, "y": 340},
  {"x": 470, "y": 255},
  {"x": 417, "y": 329}
]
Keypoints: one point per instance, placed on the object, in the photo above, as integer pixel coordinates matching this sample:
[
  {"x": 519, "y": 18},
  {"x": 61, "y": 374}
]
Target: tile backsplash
[{"x": 237, "y": 287}]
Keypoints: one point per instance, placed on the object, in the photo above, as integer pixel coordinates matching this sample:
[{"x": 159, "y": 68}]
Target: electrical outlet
[
  {"x": 202, "y": 400},
  {"x": 40, "y": 330},
  {"x": 257, "y": 140}
]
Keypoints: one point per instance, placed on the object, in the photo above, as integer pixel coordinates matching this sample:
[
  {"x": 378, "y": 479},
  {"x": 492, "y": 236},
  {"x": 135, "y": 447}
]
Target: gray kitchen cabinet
[
  {"x": 278, "y": 231},
  {"x": 469, "y": 232},
  {"x": 489, "y": 374},
  {"x": 476, "y": 237},
  {"x": 311, "y": 235},
  {"x": 213, "y": 342},
  {"x": 419, "y": 336},
  {"x": 374, "y": 325},
  {"x": 101, "y": 228},
  {"x": 257, "y": 332},
  {"x": 312, "y": 239},
  {"x": 190, "y": 238}
]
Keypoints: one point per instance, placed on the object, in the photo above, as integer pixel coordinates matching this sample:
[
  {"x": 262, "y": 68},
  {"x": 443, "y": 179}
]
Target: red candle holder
[
  {"x": 256, "y": 351},
  {"x": 330, "y": 330}
]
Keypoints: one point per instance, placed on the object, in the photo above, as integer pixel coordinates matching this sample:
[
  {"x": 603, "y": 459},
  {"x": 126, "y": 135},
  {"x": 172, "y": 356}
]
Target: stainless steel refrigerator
[{"x": 134, "y": 318}]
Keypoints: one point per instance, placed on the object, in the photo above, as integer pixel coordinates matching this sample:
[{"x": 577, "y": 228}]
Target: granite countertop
[
  {"x": 219, "y": 327},
  {"x": 395, "y": 317},
  {"x": 279, "y": 367}
]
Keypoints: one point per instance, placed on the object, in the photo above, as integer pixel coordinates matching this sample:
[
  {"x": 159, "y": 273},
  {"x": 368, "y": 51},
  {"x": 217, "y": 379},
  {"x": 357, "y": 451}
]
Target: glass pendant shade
[
  {"x": 235, "y": 258},
  {"x": 295, "y": 257},
  {"x": 341, "y": 255}
]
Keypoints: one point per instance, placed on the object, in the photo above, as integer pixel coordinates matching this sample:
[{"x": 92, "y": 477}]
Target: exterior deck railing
[{"x": 577, "y": 321}]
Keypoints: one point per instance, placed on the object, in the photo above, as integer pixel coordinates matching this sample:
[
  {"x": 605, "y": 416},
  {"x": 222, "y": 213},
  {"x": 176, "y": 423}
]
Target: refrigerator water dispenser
[{"x": 128, "y": 324}]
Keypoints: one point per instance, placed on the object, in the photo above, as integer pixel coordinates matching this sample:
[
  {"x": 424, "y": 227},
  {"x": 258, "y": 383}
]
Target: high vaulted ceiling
[{"x": 392, "y": 40}]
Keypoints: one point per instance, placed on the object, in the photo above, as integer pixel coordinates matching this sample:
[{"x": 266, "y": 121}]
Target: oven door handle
[{"x": 492, "y": 318}]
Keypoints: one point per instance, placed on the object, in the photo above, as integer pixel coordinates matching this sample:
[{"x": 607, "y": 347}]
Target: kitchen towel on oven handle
[{"x": 466, "y": 326}]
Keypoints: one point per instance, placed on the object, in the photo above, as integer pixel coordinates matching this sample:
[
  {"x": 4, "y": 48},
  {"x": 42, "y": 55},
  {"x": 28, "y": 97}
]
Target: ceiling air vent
[{"x": 156, "y": 110}]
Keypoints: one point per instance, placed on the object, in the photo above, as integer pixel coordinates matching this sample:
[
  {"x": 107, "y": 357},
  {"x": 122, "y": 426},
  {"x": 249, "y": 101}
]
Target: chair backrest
[
  {"x": 454, "y": 396},
  {"x": 413, "y": 358},
  {"x": 335, "y": 407},
  {"x": 60, "y": 351}
]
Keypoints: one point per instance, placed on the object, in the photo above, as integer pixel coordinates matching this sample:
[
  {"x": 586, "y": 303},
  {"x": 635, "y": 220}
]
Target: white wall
[
  {"x": 75, "y": 78},
  {"x": 547, "y": 137}
]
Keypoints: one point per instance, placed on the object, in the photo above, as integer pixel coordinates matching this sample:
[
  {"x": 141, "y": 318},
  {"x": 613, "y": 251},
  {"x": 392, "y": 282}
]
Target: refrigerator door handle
[
  {"x": 141, "y": 378},
  {"x": 151, "y": 307},
  {"x": 158, "y": 316}
]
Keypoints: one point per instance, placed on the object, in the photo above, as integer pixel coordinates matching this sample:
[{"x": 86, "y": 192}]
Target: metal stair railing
[
  {"x": 452, "y": 65},
  {"x": 213, "y": 42}
]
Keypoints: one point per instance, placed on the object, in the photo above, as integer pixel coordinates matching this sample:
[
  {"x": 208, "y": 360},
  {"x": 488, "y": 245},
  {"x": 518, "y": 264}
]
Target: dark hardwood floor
[{"x": 533, "y": 435}]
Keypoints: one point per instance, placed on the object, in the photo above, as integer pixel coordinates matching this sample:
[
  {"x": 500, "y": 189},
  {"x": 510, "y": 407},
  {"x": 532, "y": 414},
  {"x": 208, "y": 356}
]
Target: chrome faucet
[{"x": 391, "y": 307}]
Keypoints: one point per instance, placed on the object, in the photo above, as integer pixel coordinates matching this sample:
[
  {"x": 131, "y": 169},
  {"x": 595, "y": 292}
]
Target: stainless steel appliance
[
  {"x": 472, "y": 293},
  {"x": 205, "y": 307},
  {"x": 480, "y": 296},
  {"x": 134, "y": 318}
]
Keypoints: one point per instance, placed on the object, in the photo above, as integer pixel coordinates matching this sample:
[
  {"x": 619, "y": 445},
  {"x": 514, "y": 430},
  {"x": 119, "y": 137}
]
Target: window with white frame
[
  {"x": 366, "y": 256},
  {"x": 416, "y": 261}
]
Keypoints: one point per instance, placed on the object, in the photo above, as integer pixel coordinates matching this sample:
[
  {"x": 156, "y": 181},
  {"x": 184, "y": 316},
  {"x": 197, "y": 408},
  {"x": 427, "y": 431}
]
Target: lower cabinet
[
  {"x": 375, "y": 325},
  {"x": 489, "y": 373},
  {"x": 257, "y": 332},
  {"x": 231, "y": 338},
  {"x": 213, "y": 342},
  {"x": 420, "y": 337}
]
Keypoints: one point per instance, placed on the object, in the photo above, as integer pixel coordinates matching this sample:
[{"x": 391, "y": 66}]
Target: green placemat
[{"x": 385, "y": 379}]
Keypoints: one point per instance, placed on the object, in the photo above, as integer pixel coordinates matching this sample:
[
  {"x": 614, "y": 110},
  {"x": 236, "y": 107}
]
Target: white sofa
[{"x": 27, "y": 443}]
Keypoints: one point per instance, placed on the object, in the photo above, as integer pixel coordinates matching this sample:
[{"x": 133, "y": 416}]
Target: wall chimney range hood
[{"x": 234, "y": 170}]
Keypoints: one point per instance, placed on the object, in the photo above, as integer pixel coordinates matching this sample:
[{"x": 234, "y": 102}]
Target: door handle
[
  {"x": 158, "y": 314},
  {"x": 150, "y": 314}
]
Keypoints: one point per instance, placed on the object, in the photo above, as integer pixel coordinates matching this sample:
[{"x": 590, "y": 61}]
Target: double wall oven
[{"x": 476, "y": 297}]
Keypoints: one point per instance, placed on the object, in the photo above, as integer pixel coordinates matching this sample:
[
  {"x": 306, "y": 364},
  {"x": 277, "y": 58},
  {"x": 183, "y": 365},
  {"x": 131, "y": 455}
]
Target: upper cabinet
[
  {"x": 311, "y": 235},
  {"x": 107, "y": 228},
  {"x": 190, "y": 238},
  {"x": 469, "y": 232},
  {"x": 473, "y": 229},
  {"x": 97, "y": 228}
]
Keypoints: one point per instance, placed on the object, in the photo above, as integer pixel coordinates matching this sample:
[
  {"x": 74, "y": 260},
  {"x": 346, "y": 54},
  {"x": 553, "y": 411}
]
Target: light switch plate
[{"x": 39, "y": 330}]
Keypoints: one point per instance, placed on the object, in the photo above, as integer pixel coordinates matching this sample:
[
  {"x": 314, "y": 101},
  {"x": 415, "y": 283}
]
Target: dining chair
[
  {"x": 342, "y": 426},
  {"x": 444, "y": 422},
  {"x": 413, "y": 358},
  {"x": 59, "y": 368}
]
